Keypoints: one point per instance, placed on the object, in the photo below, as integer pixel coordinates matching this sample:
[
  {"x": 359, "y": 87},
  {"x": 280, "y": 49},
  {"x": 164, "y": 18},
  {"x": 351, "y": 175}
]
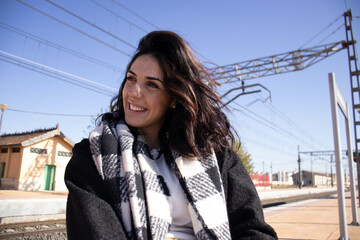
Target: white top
[{"x": 181, "y": 225}]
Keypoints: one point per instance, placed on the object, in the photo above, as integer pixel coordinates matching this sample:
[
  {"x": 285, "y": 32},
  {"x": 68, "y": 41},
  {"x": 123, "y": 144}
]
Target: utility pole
[
  {"x": 271, "y": 175},
  {"x": 355, "y": 86},
  {"x": 263, "y": 176},
  {"x": 295, "y": 61},
  {"x": 332, "y": 178},
  {"x": 312, "y": 172},
  {"x": 299, "y": 160},
  {"x": 324, "y": 153},
  {"x": 3, "y": 108}
]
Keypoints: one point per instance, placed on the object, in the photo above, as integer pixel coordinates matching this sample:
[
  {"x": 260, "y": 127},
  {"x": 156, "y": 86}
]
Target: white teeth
[{"x": 134, "y": 108}]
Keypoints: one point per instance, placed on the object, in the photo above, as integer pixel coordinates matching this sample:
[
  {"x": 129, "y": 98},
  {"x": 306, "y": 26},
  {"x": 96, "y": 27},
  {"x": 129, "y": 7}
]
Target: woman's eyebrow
[
  {"x": 132, "y": 72},
  {"x": 154, "y": 78},
  {"x": 150, "y": 78}
]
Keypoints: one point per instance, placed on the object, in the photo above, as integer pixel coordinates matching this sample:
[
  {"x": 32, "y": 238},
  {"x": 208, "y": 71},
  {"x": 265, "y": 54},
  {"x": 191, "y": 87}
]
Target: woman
[{"x": 161, "y": 165}]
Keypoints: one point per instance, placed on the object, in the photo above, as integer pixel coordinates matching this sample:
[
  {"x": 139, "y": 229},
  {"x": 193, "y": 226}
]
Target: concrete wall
[
  {"x": 25, "y": 170},
  {"x": 281, "y": 184},
  {"x": 12, "y": 162},
  {"x": 315, "y": 179},
  {"x": 32, "y": 175},
  {"x": 32, "y": 170},
  {"x": 320, "y": 180},
  {"x": 61, "y": 163},
  {"x": 9, "y": 184}
]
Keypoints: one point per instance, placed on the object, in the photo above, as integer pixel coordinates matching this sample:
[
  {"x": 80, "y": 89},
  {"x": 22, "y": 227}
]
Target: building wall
[
  {"x": 260, "y": 180},
  {"x": 31, "y": 177},
  {"x": 282, "y": 179},
  {"x": 37, "y": 156},
  {"x": 61, "y": 162},
  {"x": 307, "y": 179},
  {"x": 4, "y": 156},
  {"x": 12, "y": 160},
  {"x": 321, "y": 180},
  {"x": 314, "y": 179}
]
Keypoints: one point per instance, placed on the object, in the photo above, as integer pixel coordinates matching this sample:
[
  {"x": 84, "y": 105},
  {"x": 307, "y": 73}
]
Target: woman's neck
[{"x": 151, "y": 139}]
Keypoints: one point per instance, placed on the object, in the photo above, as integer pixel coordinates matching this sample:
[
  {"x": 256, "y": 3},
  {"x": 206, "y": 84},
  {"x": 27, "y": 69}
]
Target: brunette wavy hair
[{"x": 197, "y": 124}]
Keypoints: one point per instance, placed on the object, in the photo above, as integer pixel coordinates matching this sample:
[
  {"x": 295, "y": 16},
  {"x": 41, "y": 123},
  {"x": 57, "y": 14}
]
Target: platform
[
  {"x": 311, "y": 219},
  {"x": 23, "y": 206}
]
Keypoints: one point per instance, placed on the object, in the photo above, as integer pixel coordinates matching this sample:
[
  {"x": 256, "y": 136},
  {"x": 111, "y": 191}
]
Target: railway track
[{"x": 53, "y": 229}]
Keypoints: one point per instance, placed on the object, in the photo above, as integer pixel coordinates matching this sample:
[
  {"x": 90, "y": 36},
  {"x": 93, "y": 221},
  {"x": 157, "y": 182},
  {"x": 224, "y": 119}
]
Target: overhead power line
[
  {"x": 54, "y": 76},
  {"x": 332, "y": 33},
  {"x": 271, "y": 125},
  {"x": 99, "y": 28},
  {"x": 278, "y": 142},
  {"x": 321, "y": 31},
  {"x": 117, "y": 15},
  {"x": 131, "y": 23},
  {"x": 346, "y": 5},
  {"x": 94, "y": 25},
  {"x": 292, "y": 123},
  {"x": 74, "y": 28},
  {"x": 51, "y": 114},
  {"x": 64, "y": 76},
  {"x": 267, "y": 146},
  {"x": 137, "y": 15},
  {"x": 60, "y": 47}
]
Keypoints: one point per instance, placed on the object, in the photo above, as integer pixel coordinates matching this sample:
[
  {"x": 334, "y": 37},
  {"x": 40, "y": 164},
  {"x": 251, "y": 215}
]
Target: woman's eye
[
  {"x": 153, "y": 85},
  {"x": 130, "y": 78}
]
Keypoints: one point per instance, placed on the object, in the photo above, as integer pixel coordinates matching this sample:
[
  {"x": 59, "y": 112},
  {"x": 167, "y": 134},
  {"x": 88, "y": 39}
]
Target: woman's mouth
[{"x": 136, "y": 108}]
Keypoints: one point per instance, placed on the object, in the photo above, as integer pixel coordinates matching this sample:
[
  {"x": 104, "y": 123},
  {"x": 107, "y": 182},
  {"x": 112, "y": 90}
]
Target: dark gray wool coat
[{"x": 89, "y": 213}]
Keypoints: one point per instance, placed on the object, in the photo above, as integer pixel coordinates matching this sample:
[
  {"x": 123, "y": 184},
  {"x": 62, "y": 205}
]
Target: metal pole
[
  {"x": 300, "y": 181},
  {"x": 263, "y": 176},
  {"x": 312, "y": 173},
  {"x": 271, "y": 176},
  {"x": 355, "y": 84},
  {"x": 351, "y": 170},
  {"x": 3, "y": 107},
  {"x": 339, "y": 168},
  {"x": 332, "y": 177}
]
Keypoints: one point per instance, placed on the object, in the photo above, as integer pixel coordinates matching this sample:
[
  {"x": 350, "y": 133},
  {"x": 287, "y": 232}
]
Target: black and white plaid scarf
[{"x": 139, "y": 193}]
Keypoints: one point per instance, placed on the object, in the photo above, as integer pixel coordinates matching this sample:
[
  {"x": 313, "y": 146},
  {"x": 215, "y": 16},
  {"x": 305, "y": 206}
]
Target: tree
[{"x": 245, "y": 157}]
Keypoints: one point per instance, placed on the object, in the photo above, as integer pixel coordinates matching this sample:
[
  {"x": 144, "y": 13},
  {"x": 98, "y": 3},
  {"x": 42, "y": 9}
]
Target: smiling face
[{"x": 145, "y": 98}]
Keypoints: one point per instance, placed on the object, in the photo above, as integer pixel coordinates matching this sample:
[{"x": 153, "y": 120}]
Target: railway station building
[
  {"x": 315, "y": 179},
  {"x": 35, "y": 160}
]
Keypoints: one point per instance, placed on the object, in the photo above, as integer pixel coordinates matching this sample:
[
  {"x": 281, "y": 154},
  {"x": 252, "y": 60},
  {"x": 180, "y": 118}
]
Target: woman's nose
[{"x": 135, "y": 91}]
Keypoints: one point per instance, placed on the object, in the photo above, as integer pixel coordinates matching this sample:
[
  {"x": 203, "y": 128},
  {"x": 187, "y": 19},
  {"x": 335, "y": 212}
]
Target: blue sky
[{"x": 221, "y": 32}]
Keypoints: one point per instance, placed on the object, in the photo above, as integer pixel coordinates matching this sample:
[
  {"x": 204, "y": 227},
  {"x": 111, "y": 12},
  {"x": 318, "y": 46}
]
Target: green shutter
[
  {"x": 2, "y": 170},
  {"x": 49, "y": 177}
]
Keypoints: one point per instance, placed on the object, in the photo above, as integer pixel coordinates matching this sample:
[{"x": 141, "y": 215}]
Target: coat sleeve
[
  {"x": 246, "y": 218},
  {"x": 89, "y": 214}
]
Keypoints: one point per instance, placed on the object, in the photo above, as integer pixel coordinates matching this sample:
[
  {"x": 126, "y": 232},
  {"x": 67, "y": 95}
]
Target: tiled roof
[{"x": 29, "y": 138}]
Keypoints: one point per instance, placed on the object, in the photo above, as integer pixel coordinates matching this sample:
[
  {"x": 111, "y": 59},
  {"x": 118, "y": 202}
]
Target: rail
[{"x": 42, "y": 229}]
